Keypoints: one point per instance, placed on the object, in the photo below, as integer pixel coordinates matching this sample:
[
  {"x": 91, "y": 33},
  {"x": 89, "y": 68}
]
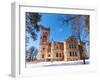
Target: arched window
[
  {"x": 42, "y": 56},
  {"x": 59, "y": 54},
  {"x": 43, "y": 49},
  {"x": 45, "y": 37},
  {"x": 75, "y": 54},
  {"x": 49, "y": 55},
  {"x": 56, "y": 54},
  {"x": 70, "y": 54}
]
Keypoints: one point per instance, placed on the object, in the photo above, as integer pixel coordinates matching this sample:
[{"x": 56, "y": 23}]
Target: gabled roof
[{"x": 71, "y": 38}]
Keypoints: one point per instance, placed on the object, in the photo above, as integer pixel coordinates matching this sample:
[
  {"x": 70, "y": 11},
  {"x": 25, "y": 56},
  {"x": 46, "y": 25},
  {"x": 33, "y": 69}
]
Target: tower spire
[{"x": 52, "y": 39}]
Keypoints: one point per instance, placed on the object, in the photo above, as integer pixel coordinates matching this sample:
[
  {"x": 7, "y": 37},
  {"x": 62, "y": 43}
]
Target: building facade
[{"x": 67, "y": 50}]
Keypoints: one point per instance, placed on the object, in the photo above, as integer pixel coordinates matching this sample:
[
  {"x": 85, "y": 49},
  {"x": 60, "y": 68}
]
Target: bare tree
[{"x": 80, "y": 29}]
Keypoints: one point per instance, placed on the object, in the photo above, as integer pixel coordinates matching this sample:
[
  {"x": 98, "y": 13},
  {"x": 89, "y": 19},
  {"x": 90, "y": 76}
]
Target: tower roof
[
  {"x": 42, "y": 27},
  {"x": 70, "y": 37}
]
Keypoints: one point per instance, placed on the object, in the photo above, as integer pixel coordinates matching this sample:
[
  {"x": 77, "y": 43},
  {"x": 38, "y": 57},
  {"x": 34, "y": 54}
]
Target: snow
[{"x": 56, "y": 63}]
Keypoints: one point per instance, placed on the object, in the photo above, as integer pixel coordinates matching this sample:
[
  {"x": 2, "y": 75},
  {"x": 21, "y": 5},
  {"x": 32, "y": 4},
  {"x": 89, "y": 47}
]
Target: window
[
  {"x": 59, "y": 54},
  {"x": 49, "y": 55},
  {"x": 45, "y": 37},
  {"x": 43, "y": 49},
  {"x": 56, "y": 54},
  {"x": 49, "y": 44},
  {"x": 42, "y": 56},
  {"x": 75, "y": 54},
  {"x": 70, "y": 54}
]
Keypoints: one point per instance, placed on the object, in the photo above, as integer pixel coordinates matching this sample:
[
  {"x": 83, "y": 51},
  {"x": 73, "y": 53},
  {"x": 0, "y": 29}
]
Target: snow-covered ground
[{"x": 56, "y": 63}]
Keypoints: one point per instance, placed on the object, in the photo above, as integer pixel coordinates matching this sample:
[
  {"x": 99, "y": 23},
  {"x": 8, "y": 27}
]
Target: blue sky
[{"x": 58, "y": 31}]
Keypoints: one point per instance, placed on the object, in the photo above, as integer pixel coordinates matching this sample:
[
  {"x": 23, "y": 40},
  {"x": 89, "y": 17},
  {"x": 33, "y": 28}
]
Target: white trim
[
  {"x": 15, "y": 40},
  {"x": 18, "y": 37}
]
